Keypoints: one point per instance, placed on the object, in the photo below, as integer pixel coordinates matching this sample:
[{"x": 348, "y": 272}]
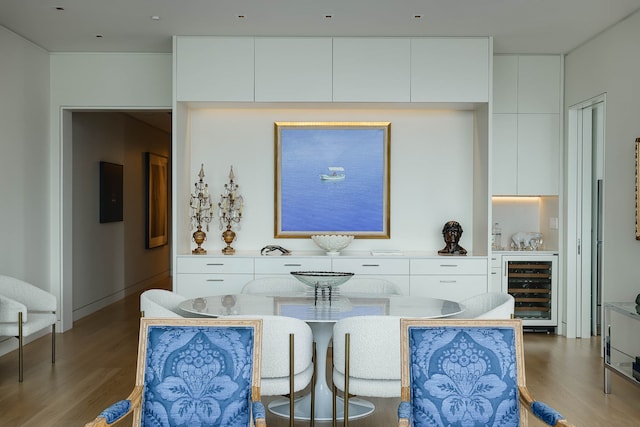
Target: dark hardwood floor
[{"x": 95, "y": 366}]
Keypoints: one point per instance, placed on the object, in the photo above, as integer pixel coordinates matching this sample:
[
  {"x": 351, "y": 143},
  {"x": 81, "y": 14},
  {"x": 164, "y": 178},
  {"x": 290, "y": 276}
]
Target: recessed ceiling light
[
  {"x": 59, "y": 8},
  {"x": 155, "y": 17},
  {"x": 328, "y": 16},
  {"x": 241, "y": 16},
  {"x": 416, "y": 16},
  {"x": 99, "y": 36}
]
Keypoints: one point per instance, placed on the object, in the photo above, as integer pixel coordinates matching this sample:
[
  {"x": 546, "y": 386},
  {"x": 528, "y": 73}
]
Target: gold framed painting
[
  {"x": 332, "y": 177},
  {"x": 157, "y": 200}
]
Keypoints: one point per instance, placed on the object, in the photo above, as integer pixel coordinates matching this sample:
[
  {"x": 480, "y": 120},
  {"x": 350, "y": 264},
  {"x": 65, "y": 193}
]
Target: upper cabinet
[
  {"x": 450, "y": 69},
  {"x": 332, "y": 69},
  {"x": 293, "y": 69},
  {"x": 214, "y": 69},
  {"x": 527, "y": 102},
  {"x": 371, "y": 69}
]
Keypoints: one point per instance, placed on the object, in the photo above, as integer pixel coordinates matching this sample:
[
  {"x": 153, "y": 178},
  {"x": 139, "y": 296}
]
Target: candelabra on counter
[
  {"x": 201, "y": 212},
  {"x": 230, "y": 211}
]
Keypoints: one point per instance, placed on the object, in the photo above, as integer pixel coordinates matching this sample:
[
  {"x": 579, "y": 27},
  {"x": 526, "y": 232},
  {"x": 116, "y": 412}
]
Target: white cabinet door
[
  {"x": 371, "y": 70},
  {"x": 214, "y": 69},
  {"x": 293, "y": 69},
  {"x": 200, "y": 285},
  {"x": 450, "y": 70},
  {"x": 505, "y": 84},
  {"x": 538, "y": 154},
  {"x": 451, "y": 287},
  {"x": 504, "y": 168},
  {"x": 539, "y": 79}
]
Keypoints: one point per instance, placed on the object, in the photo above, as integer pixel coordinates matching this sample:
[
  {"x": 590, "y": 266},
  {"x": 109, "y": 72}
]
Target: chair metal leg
[
  {"x": 314, "y": 378},
  {"x": 20, "y": 355},
  {"x": 347, "y": 343},
  {"x": 291, "y": 379},
  {"x": 53, "y": 343},
  {"x": 334, "y": 406}
]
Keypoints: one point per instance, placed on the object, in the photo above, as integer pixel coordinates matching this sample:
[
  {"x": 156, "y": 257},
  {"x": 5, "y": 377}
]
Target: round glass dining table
[{"x": 321, "y": 314}]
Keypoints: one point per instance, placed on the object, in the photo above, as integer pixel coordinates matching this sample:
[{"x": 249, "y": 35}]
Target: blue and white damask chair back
[
  {"x": 203, "y": 372},
  {"x": 466, "y": 372}
]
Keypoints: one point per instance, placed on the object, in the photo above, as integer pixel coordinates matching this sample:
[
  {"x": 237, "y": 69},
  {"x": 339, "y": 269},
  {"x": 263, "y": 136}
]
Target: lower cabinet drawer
[
  {"x": 214, "y": 265},
  {"x": 202, "y": 285},
  {"x": 371, "y": 265},
  {"x": 450, "y": 287},
  {"x": 449, "y": 265},
  {"x": 286, "y": 264}
]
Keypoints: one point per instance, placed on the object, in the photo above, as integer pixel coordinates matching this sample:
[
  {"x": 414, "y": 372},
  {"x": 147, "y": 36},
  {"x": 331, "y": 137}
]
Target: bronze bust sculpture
[{"x": 451, "y": 232}]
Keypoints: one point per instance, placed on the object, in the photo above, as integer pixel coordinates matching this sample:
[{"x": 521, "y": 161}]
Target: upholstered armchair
[
  {"x": 160, "y": 303},
  {"x": 466, "y": 372},
  {"x": 194, "y": 372},
  {"x": 24, "y": 310}
]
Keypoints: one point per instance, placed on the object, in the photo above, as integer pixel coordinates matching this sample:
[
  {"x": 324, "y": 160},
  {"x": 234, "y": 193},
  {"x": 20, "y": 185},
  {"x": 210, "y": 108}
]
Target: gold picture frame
[
  {"x": 332, "y": 177},
  {"x": 157, "y": 201},
  {"x": 637, "y": 189}
]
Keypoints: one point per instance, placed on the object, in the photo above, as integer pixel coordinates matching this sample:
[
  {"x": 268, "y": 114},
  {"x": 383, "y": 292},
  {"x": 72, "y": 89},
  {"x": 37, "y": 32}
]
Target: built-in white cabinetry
[
  {"x": 396, "y": 270},
  {"x": 371, "y": 69},
  {"x": 293, "y": 69},
  {"x": 450, "y": 69},
  {"x": 453, "y": 278},
  {"x": 526, "y": 125},
  {"x": 495, "y": 280},
  {"x": 204, "y": 275},
  {"x": 284, "y": 265},
  {"x": 214, "y": 68}
]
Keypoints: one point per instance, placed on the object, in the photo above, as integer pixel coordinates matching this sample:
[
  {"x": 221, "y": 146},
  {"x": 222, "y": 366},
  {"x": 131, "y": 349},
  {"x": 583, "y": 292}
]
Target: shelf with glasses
[{"x": 621, "y": 342}]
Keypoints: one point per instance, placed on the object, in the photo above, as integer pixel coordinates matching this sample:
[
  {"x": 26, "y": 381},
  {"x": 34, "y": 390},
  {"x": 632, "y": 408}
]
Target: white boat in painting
[{"x": 336, "y": 174}]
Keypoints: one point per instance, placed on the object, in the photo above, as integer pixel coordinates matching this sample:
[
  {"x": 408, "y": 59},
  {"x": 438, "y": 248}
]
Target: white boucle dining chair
[
  {"x": 274, "y": 285},
  {"x": 160, "y": 303},
  {"x": 24, "y": 310},
  {"x": 370, "y": 285},
  {"x": 366, "y": 358},
  {"x": 283, "y": 335},
  {"x": 488, "y": 305}
]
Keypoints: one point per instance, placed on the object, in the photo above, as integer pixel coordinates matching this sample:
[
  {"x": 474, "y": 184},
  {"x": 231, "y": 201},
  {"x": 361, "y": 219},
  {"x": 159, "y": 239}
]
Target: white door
[{"x": 584, "y": 170}]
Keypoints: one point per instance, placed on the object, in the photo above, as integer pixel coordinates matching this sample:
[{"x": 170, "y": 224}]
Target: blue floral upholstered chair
[
  {"x": 194, "y": 372},
  {"x": 466, "y": 373}
]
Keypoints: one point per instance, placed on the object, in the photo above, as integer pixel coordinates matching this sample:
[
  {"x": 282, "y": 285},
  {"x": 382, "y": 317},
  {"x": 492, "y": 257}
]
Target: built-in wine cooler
[{"x": 532, "y": 280}]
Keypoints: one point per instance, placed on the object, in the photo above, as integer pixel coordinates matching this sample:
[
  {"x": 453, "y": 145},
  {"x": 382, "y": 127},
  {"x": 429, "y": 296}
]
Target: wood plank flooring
[{"x": 95, "y": 365}]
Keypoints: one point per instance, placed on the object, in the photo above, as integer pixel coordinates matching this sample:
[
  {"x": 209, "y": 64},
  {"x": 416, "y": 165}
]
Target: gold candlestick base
[
  {"x": 199, "y": 237},
  {"x": 228, "y": 236}
]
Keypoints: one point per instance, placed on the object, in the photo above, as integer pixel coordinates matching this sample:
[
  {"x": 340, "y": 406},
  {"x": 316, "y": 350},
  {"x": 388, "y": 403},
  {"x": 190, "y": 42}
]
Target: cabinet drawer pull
[
  {"x": 371, "y": 265},
  {"x": 293, "y": 265},
  {"x": 448, "y": 265},
  {"x": 215, "y": 280},
  {"x": 448, "y": 281},
  {"x": 215, "y": 263}
]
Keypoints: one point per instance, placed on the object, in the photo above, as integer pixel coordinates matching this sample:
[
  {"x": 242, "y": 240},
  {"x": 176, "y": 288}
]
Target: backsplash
[{"x": 533, "y": 214}]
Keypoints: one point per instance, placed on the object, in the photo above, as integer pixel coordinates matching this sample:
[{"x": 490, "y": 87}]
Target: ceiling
[{"x": 518, "y": 26}]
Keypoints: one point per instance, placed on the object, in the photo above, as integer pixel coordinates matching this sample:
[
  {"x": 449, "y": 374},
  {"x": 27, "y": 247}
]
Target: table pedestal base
[{"x": 358, "y": 408}]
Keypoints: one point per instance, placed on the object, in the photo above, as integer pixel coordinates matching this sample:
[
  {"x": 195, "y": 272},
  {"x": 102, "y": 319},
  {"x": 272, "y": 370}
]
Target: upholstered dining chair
[
  {"x": 273, "y": 285},
  {"x": 24, "y": 310},
  {"x": 160, "y": 303},
  {"x": 281, "y": 337},
  {"x": 370, "y": 285},
  {"x": 466, "y": 372},
  {"x": 194, "y": 372},
  {"x": 366, "y": 358},
  {"x": 488, "y": 305}
]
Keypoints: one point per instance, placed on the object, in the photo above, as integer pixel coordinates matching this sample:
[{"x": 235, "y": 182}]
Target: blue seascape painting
[{"x": 332, "y": 180}]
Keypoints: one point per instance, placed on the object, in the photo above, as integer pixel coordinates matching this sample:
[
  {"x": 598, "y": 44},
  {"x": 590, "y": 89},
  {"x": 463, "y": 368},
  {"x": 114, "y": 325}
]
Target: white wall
[
  {"x": 110, "y": 259},
  {"x": 91, "y": 81},
  {"x": 431, "y": 171},
  {"x": 24, "y": 163},
  {"x": 24, "y": 167},
  {"x": 609, "y": 64}
]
